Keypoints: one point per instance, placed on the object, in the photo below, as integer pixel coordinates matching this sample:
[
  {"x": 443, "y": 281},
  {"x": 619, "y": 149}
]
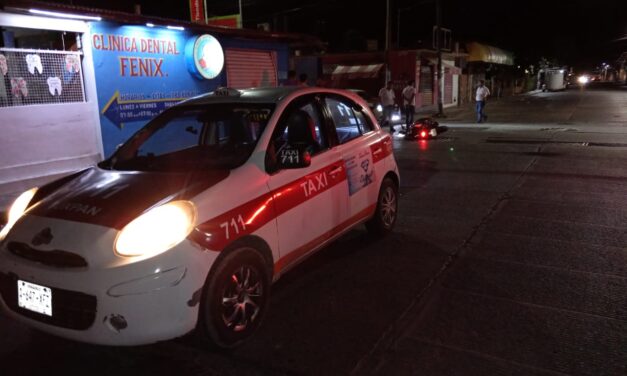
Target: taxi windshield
[{"x": 188, "y": 138}]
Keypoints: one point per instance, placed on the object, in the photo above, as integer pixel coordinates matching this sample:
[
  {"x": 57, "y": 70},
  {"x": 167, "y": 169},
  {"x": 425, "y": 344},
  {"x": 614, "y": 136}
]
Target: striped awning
[{"x": 357, "y": 71}]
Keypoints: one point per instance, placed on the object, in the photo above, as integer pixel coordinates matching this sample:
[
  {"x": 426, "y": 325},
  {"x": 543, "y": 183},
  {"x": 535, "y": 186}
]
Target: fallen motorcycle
[{"x": 424, "y": 128}]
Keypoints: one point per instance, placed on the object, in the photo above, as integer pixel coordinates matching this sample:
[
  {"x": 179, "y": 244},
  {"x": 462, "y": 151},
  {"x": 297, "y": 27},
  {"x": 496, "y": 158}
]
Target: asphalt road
[{"x": 509, "y": 257}]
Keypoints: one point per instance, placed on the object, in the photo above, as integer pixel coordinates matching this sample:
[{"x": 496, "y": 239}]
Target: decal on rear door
[{"x": 359, "y": 171}]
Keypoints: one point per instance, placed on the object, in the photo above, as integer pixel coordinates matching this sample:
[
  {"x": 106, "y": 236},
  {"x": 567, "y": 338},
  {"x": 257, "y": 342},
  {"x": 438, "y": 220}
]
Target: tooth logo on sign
[
  {"x": 72, "y": 64},
  {"x": 19, "y": 87},
  {"x": 54, "y": 85},
  {"x": 205, "y": 58},
  {"x": 4, "y": 67},
  {"x": 33, "y": 62}
]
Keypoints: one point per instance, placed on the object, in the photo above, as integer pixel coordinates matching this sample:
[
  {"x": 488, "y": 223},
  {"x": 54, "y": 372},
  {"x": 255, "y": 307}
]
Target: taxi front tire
[
  {"x": 382, "y": 223},
  {"x": 235, "y": 298}
]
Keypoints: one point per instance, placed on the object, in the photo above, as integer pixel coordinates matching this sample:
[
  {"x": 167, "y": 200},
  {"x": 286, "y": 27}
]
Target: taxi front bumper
[{"x": 121, "y": 304}]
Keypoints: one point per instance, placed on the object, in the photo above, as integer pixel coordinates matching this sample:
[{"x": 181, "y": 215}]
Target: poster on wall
[{"x": 140, "y": 72}]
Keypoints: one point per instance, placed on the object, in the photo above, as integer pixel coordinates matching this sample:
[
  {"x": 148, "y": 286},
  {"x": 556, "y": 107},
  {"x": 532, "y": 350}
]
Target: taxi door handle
[{"x": 335, "y": 170}]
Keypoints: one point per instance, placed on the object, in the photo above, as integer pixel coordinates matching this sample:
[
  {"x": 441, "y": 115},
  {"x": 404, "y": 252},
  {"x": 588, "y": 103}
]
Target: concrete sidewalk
[{"x": 466, "y": 112}]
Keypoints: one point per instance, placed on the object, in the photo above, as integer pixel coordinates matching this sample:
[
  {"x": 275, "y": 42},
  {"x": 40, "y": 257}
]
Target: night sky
[{"x": 577, "y": 32}]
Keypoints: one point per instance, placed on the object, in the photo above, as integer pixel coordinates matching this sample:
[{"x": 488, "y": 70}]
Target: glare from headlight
[
  {"x": 157, "y": 230},
  {"x": 396, "y": 118},
  {"x": 583, "y": 80},
  {"x": 379, "y": 108},
  {"x": 17, "y": 210}
]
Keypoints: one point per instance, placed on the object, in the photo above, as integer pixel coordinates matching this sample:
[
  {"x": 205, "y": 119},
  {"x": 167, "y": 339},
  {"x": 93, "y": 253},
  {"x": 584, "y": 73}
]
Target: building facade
[{"x": 78, "y": 82}]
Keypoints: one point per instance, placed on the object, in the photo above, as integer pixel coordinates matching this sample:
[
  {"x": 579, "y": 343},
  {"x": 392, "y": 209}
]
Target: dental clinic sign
[
  {"x": 137, "y": 66},
  {"x": 142, "y": 71},
  {"x": 205, "y": 58}
]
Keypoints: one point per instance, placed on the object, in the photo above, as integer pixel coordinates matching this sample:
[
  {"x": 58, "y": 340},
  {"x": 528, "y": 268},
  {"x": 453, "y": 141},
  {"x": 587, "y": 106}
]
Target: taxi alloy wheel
[
  {"x": 241, "y": 299},
  {"x": 387, "y": 209},
  {"x": 235, "y": 297}
]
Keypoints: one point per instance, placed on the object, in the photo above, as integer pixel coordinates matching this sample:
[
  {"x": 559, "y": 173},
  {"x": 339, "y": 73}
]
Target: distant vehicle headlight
[
  {"x": 396, "y": 117},
  {"x": 17, "y": 210},
  {"x": 583, "y": 80},
  {"x": 379, "y": 108},
  {"x": 157, "y": 230}
]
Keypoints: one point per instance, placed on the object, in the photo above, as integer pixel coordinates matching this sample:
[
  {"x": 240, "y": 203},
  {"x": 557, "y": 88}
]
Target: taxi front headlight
[
  {"x": 17, "y": 210},
  {"x": 157, "y": 230}
]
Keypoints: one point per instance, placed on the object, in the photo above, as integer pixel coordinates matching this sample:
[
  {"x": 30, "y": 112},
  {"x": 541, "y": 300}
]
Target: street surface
[{"x": 509, "y": 258}]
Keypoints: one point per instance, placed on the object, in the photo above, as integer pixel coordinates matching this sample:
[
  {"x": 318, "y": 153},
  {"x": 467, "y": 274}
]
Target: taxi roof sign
[{"x": 227, "y": 92}]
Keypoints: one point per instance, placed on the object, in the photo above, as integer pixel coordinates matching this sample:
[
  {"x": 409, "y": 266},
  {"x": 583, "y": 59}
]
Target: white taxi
[{"x": 188, "y": 223}]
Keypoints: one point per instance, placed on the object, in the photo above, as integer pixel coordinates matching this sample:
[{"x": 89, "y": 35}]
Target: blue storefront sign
[{"x": 141, "y": 71}]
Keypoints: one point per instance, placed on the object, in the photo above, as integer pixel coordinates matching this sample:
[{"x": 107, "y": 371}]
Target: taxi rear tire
[
  {"x": 235, "y": 298},
  {"x": 386, "y": 213}
]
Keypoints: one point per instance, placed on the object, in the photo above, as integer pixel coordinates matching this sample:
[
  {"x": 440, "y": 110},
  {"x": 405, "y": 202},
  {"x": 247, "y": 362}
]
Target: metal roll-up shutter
[
  {"x": 448, "y": 88},
  {"x": 425, "y": 87},
  {"x": 250, "y": 68}
]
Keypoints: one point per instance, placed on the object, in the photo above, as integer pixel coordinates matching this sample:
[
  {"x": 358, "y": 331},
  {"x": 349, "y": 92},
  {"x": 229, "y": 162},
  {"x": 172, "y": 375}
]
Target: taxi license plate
[{"x": 34, "y": 297}]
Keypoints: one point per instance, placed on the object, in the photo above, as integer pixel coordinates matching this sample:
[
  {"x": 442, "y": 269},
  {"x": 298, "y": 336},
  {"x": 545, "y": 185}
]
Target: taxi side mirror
[{"x": 292, "y": 157}]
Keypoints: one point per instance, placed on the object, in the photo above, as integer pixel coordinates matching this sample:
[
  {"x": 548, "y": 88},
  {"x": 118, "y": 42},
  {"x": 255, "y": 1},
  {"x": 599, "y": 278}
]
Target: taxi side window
[
  {"x": 301, "y": 124},
  {"x": 365, "y": 125},
  {"x": 349, "y": 123}
]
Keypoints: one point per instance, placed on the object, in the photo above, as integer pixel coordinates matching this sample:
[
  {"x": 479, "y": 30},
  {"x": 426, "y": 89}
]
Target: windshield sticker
[
  {"x": 360, "y": 171},
  {"x": 258, "y": 116}
]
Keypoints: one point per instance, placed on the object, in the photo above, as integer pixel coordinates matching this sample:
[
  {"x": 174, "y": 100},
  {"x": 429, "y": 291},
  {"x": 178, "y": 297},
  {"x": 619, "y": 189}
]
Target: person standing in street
[
  {"x": 409, "y": 103},
  {"x": 302, "y": 80},
  {"x": 387, "y": 98},
  {"x": 482, "y": 95}
]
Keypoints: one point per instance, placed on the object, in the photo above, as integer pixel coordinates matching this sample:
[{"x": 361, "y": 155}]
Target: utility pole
[
  {"x": 387, "y": 41},
  {"x": 206, "y": 20},
  {"x": 438, "y": 41},
  {"x": 241, "y": 15},
  {"x": 398, "y": 28}
]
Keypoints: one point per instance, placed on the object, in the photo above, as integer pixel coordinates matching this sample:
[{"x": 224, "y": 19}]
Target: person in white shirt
[
  {"x": 387, "y": 98},
  {"x": 482, "y": 94},
  {"x": 409, "y": 103}
]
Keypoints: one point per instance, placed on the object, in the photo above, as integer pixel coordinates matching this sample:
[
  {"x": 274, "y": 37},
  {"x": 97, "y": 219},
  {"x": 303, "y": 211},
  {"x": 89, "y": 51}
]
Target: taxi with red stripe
[{"x": 187, "y": 225}]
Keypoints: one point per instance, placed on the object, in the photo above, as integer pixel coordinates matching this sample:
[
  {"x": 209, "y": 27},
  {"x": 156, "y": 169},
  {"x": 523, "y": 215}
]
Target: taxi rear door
[{"x": 358, "y": 145}]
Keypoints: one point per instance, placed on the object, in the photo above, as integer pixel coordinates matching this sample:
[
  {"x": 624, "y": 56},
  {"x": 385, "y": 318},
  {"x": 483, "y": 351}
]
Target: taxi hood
[{"x": 114, "y": 198}]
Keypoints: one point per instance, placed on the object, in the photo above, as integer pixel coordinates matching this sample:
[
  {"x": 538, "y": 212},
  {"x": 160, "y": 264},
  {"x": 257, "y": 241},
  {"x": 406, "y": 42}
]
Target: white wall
[{"x": 45, "y": 140}]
